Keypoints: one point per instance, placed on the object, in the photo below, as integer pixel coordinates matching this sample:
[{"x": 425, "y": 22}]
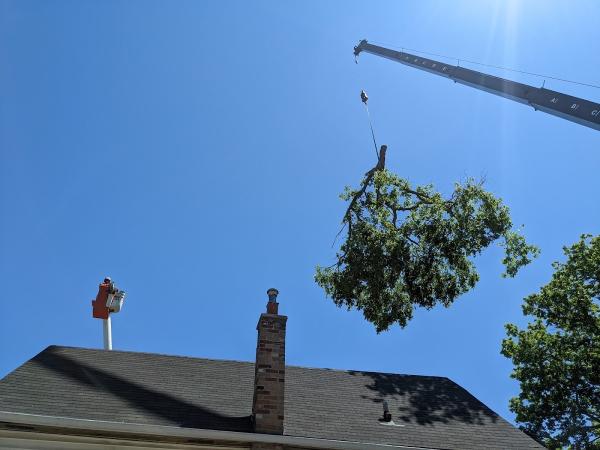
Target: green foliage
[
  {"x": 557, "y": 357},
  {"x": 410, "y": 247}
]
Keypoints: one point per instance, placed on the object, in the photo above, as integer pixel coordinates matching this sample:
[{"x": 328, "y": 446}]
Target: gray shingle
[{"x": 156, "y": 389}]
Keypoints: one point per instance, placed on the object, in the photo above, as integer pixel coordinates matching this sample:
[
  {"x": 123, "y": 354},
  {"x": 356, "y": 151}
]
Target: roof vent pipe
[{"x": 387, "y": 415}]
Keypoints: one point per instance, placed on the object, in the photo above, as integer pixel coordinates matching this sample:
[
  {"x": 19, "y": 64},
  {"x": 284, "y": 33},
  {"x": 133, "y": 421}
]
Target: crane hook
[{"x": 364, "y": 97}]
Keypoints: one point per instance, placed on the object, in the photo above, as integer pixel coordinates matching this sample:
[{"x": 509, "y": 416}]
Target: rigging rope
[
  {"x": 365, "y": 98},
  {"x": 372, "y": 132},
  {"x": 489, "y": 65}
]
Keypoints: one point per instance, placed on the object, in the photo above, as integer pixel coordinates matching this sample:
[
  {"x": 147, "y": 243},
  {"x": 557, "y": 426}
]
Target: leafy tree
[
  {"x": 557, "y": 357},
  {"x": 408, "y": 247}
]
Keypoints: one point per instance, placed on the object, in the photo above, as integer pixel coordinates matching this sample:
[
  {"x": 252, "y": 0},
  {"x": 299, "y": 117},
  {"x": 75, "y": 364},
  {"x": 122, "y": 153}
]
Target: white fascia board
[
  {"x": 25, "y": 440},
  {"x": 191, "y": 433}
]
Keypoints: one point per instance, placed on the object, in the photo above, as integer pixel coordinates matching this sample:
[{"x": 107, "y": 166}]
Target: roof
[{"x": 152, "y": 389}]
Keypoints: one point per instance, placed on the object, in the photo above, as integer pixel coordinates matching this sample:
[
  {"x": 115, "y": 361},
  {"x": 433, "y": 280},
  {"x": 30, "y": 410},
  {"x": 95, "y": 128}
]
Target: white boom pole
[{"x": 107, "y": 334}]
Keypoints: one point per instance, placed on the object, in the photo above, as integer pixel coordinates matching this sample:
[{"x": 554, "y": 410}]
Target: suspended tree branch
[{"x": 408, "y": 246}]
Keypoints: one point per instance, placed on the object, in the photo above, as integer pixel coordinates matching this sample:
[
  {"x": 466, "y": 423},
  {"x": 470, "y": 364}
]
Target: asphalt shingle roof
[{"x": 145, "y": 388}]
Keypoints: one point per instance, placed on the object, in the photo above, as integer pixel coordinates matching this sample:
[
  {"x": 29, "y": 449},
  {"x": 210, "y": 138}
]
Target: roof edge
[{"x": 192, "y": 433}]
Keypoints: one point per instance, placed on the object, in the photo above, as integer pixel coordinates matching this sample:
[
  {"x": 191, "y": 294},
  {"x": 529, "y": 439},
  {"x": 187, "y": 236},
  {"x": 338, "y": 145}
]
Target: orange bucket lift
[{"x": 108, "y": 300}]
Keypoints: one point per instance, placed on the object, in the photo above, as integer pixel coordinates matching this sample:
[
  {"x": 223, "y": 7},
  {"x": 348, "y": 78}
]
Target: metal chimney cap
[{"x": 272, "y": 291}]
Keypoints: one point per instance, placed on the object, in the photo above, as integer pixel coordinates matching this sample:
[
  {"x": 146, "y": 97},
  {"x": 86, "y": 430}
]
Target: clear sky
[{"x": 194, "y": 151}]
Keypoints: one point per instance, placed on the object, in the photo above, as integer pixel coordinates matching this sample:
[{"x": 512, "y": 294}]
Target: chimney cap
[{"x": 272, "y": 305}]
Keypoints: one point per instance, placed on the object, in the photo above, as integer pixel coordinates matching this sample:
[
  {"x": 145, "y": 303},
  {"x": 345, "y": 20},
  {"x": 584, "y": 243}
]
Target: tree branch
[
  {"x": 365, "y": 184},
  {"x": 420, "y": 196}
]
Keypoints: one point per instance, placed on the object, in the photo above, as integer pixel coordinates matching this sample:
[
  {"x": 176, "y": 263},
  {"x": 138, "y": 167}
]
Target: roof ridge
[
  {"x": 370, "y": 371},
  {"x": 146, "y": 353},
  {"x": 246, "y": 362}
]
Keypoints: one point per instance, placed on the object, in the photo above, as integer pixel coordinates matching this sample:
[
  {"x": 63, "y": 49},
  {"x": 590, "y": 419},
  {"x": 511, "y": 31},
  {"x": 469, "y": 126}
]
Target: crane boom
[{"x": 578, "y": 110}]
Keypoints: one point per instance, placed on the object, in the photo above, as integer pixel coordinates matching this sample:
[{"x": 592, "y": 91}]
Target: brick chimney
[{"x": 269, "y": 370}]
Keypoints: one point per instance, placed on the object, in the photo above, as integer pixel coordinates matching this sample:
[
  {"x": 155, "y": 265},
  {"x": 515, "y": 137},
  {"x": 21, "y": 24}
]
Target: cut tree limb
[{"x": 368, "y": 177}]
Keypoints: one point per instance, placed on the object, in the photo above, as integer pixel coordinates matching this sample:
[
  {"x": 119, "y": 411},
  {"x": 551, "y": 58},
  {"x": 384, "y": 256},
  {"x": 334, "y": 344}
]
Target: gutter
[{"x": 191, "y": 433}]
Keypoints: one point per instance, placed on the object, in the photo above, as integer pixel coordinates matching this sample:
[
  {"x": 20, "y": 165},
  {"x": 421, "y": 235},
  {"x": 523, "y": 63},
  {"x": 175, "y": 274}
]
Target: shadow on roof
[
  {"x": 176, "y": 411},
  {"x": 426, "y": 400}
]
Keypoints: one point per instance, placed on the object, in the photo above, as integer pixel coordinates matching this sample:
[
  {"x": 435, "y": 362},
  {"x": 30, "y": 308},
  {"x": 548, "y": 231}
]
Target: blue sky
[{"x": 195, "y": 151}]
